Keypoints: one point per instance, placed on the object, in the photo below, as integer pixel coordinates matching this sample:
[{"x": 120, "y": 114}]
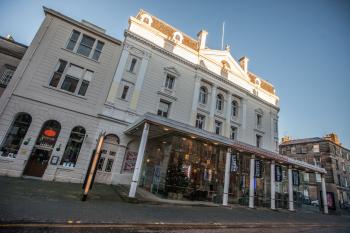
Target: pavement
[{"x": 33, "y": 204}]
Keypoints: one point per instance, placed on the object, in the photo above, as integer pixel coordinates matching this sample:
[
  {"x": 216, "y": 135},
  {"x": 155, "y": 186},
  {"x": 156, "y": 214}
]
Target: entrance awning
[{"x": 164, "y": 126}]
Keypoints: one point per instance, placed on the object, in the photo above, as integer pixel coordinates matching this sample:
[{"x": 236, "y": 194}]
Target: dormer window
[
  {"x": 177, "y": 37},
  {"x": 147, "y": 19}
]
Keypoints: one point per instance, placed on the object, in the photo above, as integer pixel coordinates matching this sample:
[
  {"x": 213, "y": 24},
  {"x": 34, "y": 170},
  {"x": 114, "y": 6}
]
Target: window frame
[
  {"x": 63, "y": 77},
  {"x": 172, "y": 77},
  {"x": 219, "y": 103},
  {"x": 71, "y": 140},
  {"x": 233, "y": 131},
  {"x": 200, "y": 121},
  {"x": 203, "y": 95},
  {"x": 258, "y": 140},
  {"x": 218, "y": 127},
  {"x": 161, "y": 101}
]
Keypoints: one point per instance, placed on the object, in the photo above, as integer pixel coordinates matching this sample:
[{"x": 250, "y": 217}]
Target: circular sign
[{"x": 50, "y": 133}]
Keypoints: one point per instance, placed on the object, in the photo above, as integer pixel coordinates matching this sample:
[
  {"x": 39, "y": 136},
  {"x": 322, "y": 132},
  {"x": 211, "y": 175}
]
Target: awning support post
[
  {"x": 140, "y": 155},
  {"x": 273, "y": 186},
  {"x": 290, "y": 189},
  {"x": 251, "y": 182},
  {"x": 227, "y": 177},
  {"x": 324, "y": 195}
]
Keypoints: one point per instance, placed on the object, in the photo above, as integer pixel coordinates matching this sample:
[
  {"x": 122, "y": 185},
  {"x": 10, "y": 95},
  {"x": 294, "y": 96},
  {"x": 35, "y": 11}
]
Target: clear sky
[{"x": 301, "y": 47}]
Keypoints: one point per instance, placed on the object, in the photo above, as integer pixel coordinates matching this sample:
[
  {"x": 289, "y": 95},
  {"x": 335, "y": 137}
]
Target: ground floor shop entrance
[
  {"x": 181, "y": 162},
  {"x": 42, "y": 150}
]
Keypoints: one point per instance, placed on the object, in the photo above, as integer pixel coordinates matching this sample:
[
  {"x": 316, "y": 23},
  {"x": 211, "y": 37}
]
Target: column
[
  {"x": 112, "y": 94},
  {"x": 212, "y": 108},
  {"x": 228, "y": 114},
  {"x": 251, "y": 182},
  {"x": 139, "y": 81},
  {"x": 227, "y": 177},
  {"x": 290, "y": 189},
  {"x": 273, "y": 185},
  {"x": 197, "y": 86},
  {"x": 140, "y": 155},
  {"x": 324, "y": 195},
  {"x": 243, "y": 117}
]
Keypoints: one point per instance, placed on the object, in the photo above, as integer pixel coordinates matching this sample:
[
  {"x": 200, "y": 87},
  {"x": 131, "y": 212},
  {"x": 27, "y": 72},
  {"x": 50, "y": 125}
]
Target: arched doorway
[
  {"x": 108, "y": 156},
  {"x": 42, "y": 150}
]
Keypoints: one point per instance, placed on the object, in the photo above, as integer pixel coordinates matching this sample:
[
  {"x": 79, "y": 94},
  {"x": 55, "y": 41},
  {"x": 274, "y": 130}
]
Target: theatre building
[{"x": 178, "y": 119}]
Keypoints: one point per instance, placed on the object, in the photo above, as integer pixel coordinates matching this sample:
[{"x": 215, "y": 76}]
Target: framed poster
[
  {"x": 54, "y": 160},
  {"x": 278, "y": 173},
  {"x": 234, "y": 165},
  {"x": 258, "y": 168},
  {"x": 295, "y": 177},
  {"x": 130, "y": 161}
]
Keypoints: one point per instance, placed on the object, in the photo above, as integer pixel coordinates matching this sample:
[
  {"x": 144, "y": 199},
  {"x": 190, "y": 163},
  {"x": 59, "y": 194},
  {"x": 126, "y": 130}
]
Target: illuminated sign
[{"x": 50, "y": 133}]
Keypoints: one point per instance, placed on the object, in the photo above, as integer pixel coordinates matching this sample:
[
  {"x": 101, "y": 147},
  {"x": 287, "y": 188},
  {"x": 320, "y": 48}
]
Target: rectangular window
[
  {"x": 275, "y": 126},
  {"x": 258, "y": 140},
  {"x": 98, "y": 50},
  {"x": 109, "y": 165},
  {"x": 316, "y": 148},
  {"x": 169, "y": 81},
  {"x": 132, "y": 65},
  {"x": 100, "y": 164},
  {"x": 85, "y": 83},
  {"x": 306, "y": 177},
  {"x": 125, "y": 92},
  {"x": 293, "y": 150},
  {"x": 72, "y": 78},
  {"x": 6, "y": 76},
  {"x": 303, "y": 149},
  {"x": 218, "y": 126},
  {"x": 73, "y": 40},
  {"x": 86, "y": 45},
  {"x": 58, "y": 73},
  {"x": 258, "y": 121},
  {"x": 163, "y": 108},
  {"x": 233, "y": 133},
  {"x": 200, "y": 120}
]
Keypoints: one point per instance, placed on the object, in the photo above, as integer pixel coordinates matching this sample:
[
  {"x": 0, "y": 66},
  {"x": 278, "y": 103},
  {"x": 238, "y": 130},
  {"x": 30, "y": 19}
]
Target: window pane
[
  {"x": 55, "y": 79},
  {"x": 15, "y": 136},
  {"x": 125, "y": 92},
  {"x": 83, "y": 88},
  {"x": 109, "y": 165},
  {"x": 88, "y": 75},
  {"x": 100, "y": 164},
  {"x": 96, "y": 55},
  {"x": 85, "y": 46},
  {"x": 6, "y": 77},
  {"x": 99, "y": 45},
  {"x": 73, "y": 147},
  {"x": 69, "y": 84},
  {"x": 73, "y": 40},
  {"x": 75, "y": 71},
  {"x": 132, "y": 65}
]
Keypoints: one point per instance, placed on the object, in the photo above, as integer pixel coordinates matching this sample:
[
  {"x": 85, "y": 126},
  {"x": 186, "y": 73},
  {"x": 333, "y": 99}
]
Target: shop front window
[
  {"x": 15, "y": 135},
  {"x": 181, "y": 168},
  {"x": 73, "y": 147}
]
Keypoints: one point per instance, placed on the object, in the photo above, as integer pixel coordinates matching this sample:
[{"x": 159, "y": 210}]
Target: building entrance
[{"x": 42, "y": 150}]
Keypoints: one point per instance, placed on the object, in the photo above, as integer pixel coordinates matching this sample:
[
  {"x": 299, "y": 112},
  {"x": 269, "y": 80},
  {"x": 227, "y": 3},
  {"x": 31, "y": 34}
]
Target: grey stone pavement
[{"x": 25, "y": 201}]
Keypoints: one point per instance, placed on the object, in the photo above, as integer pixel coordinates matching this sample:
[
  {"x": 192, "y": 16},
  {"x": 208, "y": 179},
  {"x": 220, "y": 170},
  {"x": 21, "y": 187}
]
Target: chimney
[
  {"x": 243, "y": 62},
  {"x": 202, "y": 37}
]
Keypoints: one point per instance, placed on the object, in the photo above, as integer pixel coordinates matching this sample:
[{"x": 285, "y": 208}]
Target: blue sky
[{"x": 301, "y": 47}]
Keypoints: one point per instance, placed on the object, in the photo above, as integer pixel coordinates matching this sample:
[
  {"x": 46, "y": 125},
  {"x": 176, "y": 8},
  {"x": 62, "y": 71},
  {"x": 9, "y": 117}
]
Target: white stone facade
[{"x": 129, "y": 81}]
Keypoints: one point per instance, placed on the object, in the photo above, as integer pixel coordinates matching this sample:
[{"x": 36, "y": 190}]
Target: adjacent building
[
  {"x": 11, "y": 53},
  {"x": 179, "y": 119},
  {"x": 326, "y": 152}
]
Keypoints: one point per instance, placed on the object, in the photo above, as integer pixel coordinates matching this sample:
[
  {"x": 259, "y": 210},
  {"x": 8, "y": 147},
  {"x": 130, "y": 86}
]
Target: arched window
[
  {"x": 203, "y": 94},
  {"x": 73, "y": 147},
  {"x": 234, "y": 109},
  {"x": 15, "y": 135},
  {"x": 219, "y": 102},
  {"x": 132, "y": 64}
]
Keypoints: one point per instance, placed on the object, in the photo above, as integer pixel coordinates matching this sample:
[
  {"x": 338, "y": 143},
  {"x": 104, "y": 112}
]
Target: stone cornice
[{"x": 195, "y": 66}]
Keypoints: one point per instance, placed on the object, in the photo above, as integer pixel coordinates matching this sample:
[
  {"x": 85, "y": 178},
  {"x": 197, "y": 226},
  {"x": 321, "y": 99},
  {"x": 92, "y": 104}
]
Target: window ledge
[
  {"x": 65, "y": 92},
  {"x": 81, "y": 55},
  {"x": 131, "y": 72},
  {"x": 124, "y": 100},
  {"x": 259, "y": 131},
  {"x": 61, "y": 167}
]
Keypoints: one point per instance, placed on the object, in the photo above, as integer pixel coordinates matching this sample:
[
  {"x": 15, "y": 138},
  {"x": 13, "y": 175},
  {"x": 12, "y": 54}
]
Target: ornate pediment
[{"x": 172, "y": 70}]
